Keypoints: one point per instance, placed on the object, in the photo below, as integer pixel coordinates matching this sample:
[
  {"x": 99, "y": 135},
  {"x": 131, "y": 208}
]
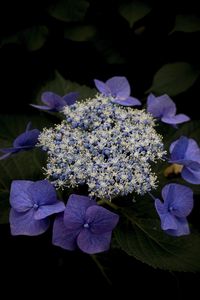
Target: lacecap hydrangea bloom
[
  {"x": 104, "y": 145},
  {"x": 110, "y": 147}
]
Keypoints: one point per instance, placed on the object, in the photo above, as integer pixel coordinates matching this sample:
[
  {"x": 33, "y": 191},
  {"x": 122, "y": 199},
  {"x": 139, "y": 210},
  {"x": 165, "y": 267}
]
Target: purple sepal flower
[
  {"x": 32, "y": 203},
  {"x": 54, "y": 102},
  {"x": 25, "y": 141},
  {"x": 178, "y": 203},
  {"x": 119, "y": 89},
  {"x": 164, "y": 108},
  {"x": 186, "y": 152},
  {"x": 84, "y": 224}
]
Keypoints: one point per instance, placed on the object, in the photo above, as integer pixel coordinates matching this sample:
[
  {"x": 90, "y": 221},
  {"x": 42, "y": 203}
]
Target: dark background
[{"x": 33, "y": 262}]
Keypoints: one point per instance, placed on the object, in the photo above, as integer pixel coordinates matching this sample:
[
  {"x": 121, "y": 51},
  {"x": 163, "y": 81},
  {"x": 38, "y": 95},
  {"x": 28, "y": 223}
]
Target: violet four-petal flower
[
  {"x": 54, "y": 102},
  {"x": 186, "y": 152},
  {"x": 25, "y": 141},
  {"x": 178, "y": 203},
  {"x": 164, "y": 108},
  {"x": 32, "y": 203},
  {"x": 84, "y": 224},
  {"x": 118, "y": 88}
]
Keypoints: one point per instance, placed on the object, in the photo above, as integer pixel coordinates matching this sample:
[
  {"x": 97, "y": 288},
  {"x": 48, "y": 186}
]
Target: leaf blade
[
  {"x": 134, "y": 11},
  {"x": 143, "y": 239},
  {"x": 69, "y": 10},
  {"x": 186, "y": 23},
  {"x": 174, "y": 78}
]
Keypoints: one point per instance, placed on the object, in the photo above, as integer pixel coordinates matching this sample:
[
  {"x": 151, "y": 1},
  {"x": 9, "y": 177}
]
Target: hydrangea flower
[
  {"x": 84, "y": 224},
  {"x": 177, "y": 205},
  {"x": 54, "y": 102},
  {"x": 105, "y": 146},
  {"x": 118, "y": 89},
  {"x": 25, "y": 141},
  {"x": 32, "y": 203},
  {"x": 164, "y": 108},
  {"x": 186, "y": 152}
]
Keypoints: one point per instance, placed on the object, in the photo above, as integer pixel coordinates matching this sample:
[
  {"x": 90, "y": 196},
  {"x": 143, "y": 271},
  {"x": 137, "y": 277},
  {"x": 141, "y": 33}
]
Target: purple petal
[
  {"x": 191, "y": 175},
  {"x": 178, "y": 119},
  {"x": 193, "y": 165},
  {"x": 154, "y": 106},
  {"x": 179, "y": 148},
  {"x": 182, "y": 228},
  {"x": 165, "y": 192},
  {"x": 52, "y": 100},
  {"x": 119, "y": 87},
  {"x": 100, "y": 219},
  {"x": 27, "y": 139},
  {"x": 61, "y": 237},
  {"x": 168, "y": 106},
  {"x": 151, "y": 99},
  {"x": 24, "y": 223},
  {"x": 43, "y": 193},
  {"x": 47, "y": 210},
  {"x": 193, "y": 151},
  {"x": 168, "y": 221},
  {"x": 74, "y": 215},
  {"x": 70, "y": 98},
  {"x": 92, "y": 243},
  {"x": 183, "y": 162},
  {"x": 180, "y": 200},
  {"x": 130, "y": 101},
  {"x": 171, "y": 148},
  {"x": 161, "y": 106},
  {"x": 43, "y": 107},
  {"x": 160, "y": 207},
  {"x": 102, "y": 87},
  {"x": 20, "y": 199}
]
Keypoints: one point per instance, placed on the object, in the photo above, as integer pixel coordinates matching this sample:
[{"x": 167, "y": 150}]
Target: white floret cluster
[{"x": 106, "y": 146}]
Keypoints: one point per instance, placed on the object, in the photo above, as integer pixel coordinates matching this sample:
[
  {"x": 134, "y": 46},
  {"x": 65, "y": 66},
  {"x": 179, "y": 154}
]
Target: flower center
[
  {"x": 86, "y": 225},
  {"x": 35, "y": 206}
]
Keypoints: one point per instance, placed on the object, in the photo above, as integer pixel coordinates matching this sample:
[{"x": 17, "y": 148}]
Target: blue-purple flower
[
  {"x": 84, "y": 224},
  {"x": 118, "y": 89},
  {"x": 177, "y": 205},
  {"x": 25, "y": 141},
  {"x": 32, "y": 203},
  {"x": 54, "y": 102},
  {"x": 164, "y": 108},
  {"x": 186, "y": 153}
]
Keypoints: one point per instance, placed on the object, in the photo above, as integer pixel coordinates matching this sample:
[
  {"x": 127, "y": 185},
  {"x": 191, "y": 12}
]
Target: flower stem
[
  {"x": 152, "y": 196},
  {"x": 101, "y": 268}
]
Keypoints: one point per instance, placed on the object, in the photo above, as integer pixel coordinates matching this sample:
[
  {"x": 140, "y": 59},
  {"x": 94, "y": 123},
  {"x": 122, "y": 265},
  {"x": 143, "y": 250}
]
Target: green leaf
[
  {"x": 32, "y": 38},
  {"x": 61, "y": 86},
  {"x": 24, "y": 165},
  {"x": 190, "y": 129},
  {"x": 173, "y": 79},
  {"x": 35, "y": 37},
  {"x": 110, "y": 53},
  {"x": 80, "y": 33},
  {"x": 187, "y": 23},
  {"x": 134, "y": 11},
  {"x": 143, "y": 239},
  {"x": 69, "y": 10}
]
